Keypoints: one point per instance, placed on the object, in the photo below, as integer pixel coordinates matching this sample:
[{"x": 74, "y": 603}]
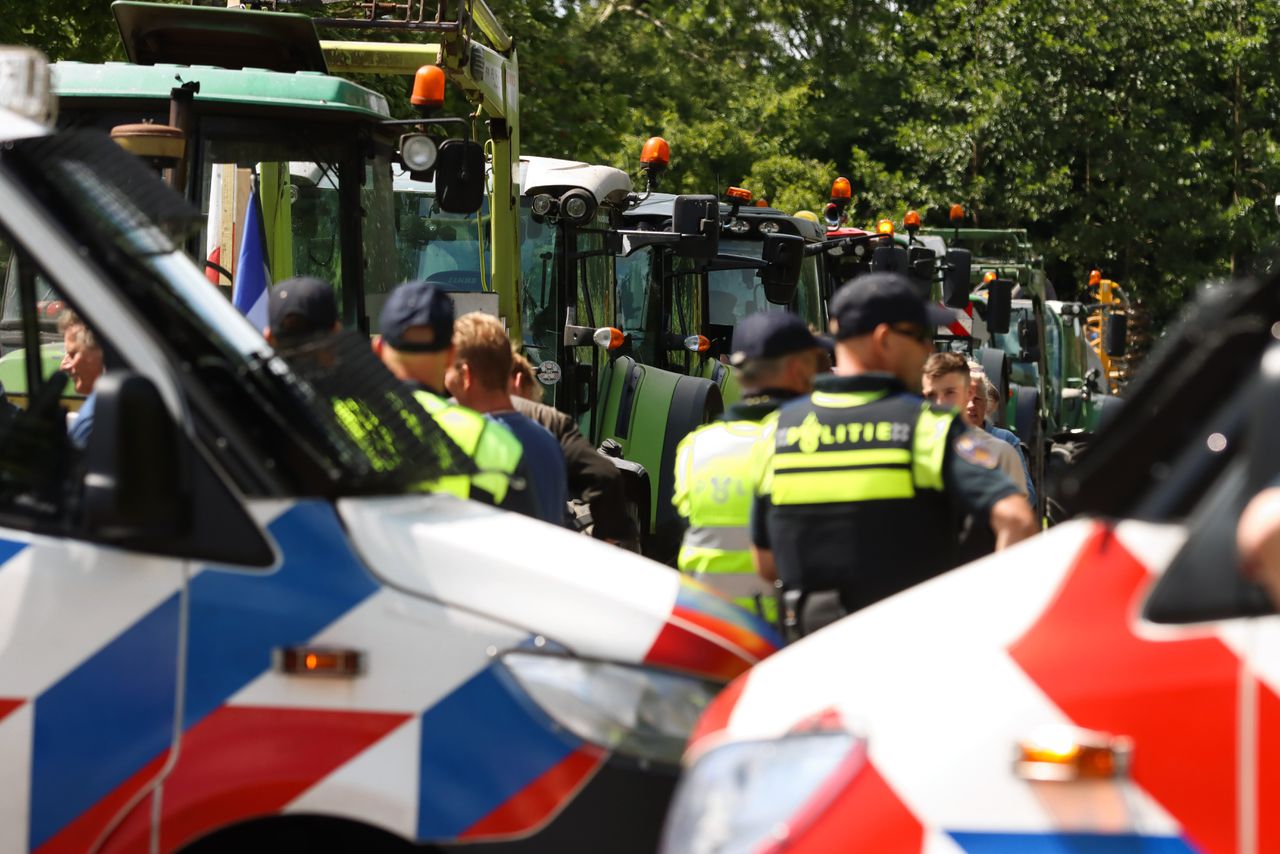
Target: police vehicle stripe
[
  {"x": 239, "y": 617},
  {"x": 243, "y": 761},
  {"x": 467, "y": 772},
  {"x": 15, "y": 775},
  {"x": 9, "y": 705},
  {"x": 1156, "y": 691},
  {"x": 104, "y": 721},
  {"x": 127, "y": 689},
  {"x": 1063, "y": 843},
  {"x": 8, "y": 550},
  {"x": 539, "y": 802},
  {"x": 379, "y": 786}
]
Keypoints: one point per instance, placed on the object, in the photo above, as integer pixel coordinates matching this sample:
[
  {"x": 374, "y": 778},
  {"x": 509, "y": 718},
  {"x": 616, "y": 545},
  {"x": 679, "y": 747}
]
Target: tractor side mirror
[
  {"x": 923, "y": 263},
  {"x": 889, "y": 259},
  {"x": 783, "y": 255},
  {"x": 955, "y": 278},
  {"x": 698, "y": 218},
  {"x": 460, "y": 180},
  {"x": 999, "y": 305},
  {"x": 1029, "y": 341},
  {"x": 1117, "y": 335}
]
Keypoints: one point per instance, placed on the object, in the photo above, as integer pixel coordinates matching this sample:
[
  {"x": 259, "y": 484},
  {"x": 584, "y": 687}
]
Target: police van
[
  {"x": 224, "y": 624},
  {"x": 1110, "y": 685}
]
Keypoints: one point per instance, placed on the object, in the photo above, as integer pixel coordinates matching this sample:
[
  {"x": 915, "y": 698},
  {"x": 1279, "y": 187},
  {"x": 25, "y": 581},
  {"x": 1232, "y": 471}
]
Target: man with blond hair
[
  {"x": 479, "y": 378},
  {"x": 82, "y": 362}
]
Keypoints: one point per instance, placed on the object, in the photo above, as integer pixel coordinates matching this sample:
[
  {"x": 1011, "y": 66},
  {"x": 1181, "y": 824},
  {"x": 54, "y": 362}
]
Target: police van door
[{"x": 90, "y": 634}]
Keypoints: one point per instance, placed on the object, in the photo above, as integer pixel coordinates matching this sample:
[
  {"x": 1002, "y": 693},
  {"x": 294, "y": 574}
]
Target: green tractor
[
  {"x": 1056, "y": 385},
  {"x": 571, "y": 218},
  {"x": 255, "y": 116},
  {"x": 679, "y": 312}
]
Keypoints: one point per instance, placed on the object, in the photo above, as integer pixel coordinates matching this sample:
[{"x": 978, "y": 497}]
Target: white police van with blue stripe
[{"x": 224, "y": 625}]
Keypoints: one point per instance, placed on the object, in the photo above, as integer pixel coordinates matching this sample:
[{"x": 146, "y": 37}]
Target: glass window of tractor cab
[
  {"x": 541, "y": 317},
  {"x": 684, "y": 314},
  {"x": 299, "y": 176},
  {"x": 435, "y": 245},
  {"x": 638, "y": 298}
]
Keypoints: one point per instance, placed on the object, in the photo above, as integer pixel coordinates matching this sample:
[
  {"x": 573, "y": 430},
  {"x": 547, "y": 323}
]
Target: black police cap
[
  {"x": 301, "y": 307},
  {"x": 864, "y": 303},
  {"x": 769, "y": 335},
  {"x": 417, "y": 304}
]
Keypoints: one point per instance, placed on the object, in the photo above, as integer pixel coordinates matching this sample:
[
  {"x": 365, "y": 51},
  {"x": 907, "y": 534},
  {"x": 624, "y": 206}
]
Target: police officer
[
  {"x": 777, "y": 357},
  {"x": 416, "y": 345},
  {"x": 863, "y": 481}
]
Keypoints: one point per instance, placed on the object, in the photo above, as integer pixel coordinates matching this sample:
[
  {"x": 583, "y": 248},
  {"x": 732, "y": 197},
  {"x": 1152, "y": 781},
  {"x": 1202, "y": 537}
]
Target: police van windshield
[{"x": 131, "y": 226}]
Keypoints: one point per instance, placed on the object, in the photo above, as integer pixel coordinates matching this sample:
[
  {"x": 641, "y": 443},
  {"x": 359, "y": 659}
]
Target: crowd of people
[
  {"x": 834, "y": 478},
  {"x": 845, "y": 487},
  {"x": 853, "y": 467},
  {"x": 529, "y": 457}
]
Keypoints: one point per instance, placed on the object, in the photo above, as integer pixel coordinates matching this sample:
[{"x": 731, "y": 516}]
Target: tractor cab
[
  {"x": 679, "y": 307},
  {"x": 290, "y": 165}
]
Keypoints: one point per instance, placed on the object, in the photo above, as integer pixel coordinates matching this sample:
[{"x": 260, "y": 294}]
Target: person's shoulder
[
  {"x": 548, "y": 416},
  {"x": 978, "y": 448}
]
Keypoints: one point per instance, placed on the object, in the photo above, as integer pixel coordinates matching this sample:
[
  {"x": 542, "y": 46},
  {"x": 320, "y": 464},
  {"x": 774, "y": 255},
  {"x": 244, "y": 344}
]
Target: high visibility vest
[
  {"x": 490, "y": 444},
  {"x": 828, "y": 454},
  {"x": 714, "y": 489},
  {"x": 857, "y": 493}
]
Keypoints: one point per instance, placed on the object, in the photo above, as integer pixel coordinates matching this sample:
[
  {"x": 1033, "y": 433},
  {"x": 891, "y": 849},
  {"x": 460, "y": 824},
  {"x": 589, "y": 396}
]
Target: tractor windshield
[
  {"x": 733, "y": 294},
  {"x": 296, "y": 179},
  {"x": 434, "y": 245}
]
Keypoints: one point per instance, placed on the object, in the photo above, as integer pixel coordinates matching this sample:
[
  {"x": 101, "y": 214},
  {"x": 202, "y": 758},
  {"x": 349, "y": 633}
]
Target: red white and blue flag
[{"x": 253, "y": 280}]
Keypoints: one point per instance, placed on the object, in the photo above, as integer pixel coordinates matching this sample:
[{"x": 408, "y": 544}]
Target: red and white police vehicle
[{"x": 1110, "y": 685}]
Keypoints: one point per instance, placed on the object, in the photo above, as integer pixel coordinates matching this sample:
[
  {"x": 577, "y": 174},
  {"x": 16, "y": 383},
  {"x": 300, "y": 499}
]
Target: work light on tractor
[
  {"x": 841, "y": 196},
  {"x": 578, "y": 206},
  {"x": 654, "y": 159},
  {"x": 428, "y": 89},
  {"x": 418, "y": 151}
]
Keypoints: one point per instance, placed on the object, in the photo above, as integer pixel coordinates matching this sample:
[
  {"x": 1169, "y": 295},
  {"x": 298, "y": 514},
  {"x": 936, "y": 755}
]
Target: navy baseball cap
[
  {"x": 768, "y": 335},
  {"x": 868, "y": 301},
  {"x": 416, "y": 304},
  {"x": 301, "y": 307}
]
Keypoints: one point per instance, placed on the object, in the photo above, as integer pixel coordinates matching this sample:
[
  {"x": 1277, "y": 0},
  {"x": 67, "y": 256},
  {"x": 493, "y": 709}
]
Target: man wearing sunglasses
[{"x": 862, "y": 483}]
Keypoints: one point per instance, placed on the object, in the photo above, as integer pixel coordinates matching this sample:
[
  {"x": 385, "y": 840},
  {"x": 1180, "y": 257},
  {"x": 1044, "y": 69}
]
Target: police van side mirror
[
  {"x": 132, "y": 491},
  {"x": 147, "y": 488},
  {"x": 783, "y": 255}
]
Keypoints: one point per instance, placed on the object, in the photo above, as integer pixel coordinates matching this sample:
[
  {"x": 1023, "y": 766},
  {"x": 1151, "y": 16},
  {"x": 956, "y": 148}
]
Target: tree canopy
[{"x": 1134, "y": 137}]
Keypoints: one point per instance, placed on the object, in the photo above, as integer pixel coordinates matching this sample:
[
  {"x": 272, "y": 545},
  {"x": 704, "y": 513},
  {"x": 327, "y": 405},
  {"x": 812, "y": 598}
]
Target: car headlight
[
  {"x": 749, "y": 796},
  {"x": 641, "y": 712}
]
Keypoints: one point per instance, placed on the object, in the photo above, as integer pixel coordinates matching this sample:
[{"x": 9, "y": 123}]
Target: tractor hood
[{"x": 592, "y": 598}]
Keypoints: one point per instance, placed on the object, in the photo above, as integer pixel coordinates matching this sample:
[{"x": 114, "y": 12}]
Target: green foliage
[{"x": 1135, "y": 137}]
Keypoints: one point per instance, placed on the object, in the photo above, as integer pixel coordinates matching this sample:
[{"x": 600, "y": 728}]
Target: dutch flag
[
  {"x": 249, "y": 294},
  {"x": 213, "y": 231}
]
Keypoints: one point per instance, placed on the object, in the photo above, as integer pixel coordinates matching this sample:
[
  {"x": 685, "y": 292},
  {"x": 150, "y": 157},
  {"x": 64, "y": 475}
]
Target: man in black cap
[
  {"x": 862, "y": 483},
  {"x": 299, "y": 310},
  {"x": 777, "y": 357},
  {"x": 416, "y": 345}
]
